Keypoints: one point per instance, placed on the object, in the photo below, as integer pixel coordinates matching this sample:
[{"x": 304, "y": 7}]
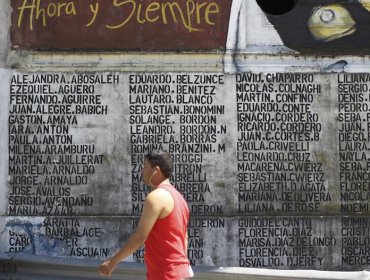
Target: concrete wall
[
  {"x": 271, "y": 151},
  {"x": 4, "y": 77}
]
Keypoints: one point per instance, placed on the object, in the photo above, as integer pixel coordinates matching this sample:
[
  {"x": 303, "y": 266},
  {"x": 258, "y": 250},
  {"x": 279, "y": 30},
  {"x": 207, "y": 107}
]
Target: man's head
[{"x": 159, "y": 164}]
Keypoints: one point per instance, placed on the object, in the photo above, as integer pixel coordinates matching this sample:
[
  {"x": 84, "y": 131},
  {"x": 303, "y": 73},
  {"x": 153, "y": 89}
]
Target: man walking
[{"x": 162, "y": 226}]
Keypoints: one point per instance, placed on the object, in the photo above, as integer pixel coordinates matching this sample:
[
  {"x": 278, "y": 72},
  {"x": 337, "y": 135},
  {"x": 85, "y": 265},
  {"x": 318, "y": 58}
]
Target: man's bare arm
[
  {"x": 152, "y": 209},
  {"x": 186, "y": 244}
]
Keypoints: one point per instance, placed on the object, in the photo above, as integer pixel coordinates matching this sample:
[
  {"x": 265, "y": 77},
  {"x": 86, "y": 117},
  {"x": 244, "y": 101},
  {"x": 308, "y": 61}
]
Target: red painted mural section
[{"x": 138, "y": 25}]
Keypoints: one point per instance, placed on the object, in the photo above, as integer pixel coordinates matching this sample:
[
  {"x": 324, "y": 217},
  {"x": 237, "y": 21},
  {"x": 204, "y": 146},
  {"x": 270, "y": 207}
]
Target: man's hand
[
  {"x": 107, "y": 267},
  {"x": 154, "y": 206}
]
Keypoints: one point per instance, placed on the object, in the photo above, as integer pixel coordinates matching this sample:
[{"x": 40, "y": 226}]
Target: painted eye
[
  {"x": 365, "y": 4},
  {"x": 327, "y": 16},
  {"x": 331, "y": 22}
]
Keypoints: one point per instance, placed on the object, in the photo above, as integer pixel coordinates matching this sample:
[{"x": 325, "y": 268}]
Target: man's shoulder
[{"x": 159, "y": 193}]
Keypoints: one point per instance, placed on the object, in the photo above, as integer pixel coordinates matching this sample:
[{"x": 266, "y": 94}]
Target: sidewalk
[{"x": 30, "y": 267}]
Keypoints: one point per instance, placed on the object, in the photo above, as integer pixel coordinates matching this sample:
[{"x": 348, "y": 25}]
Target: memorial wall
[{"x": 274, "y": 165}]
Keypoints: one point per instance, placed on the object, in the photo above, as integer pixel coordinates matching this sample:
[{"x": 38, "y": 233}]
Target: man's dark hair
[{"x": 163, "y": 160}]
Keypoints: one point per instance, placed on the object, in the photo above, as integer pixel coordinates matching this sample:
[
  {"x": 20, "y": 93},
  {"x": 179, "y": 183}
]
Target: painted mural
[
  {"x": 318, "y": 27},
  {"x": 274, "y": 166},
  {"x": 120, "y": 25},
  {"x": 325, "y": 27}
]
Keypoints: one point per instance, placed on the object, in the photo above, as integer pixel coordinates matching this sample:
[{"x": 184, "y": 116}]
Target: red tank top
[{"x": 165, "y": 256}]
